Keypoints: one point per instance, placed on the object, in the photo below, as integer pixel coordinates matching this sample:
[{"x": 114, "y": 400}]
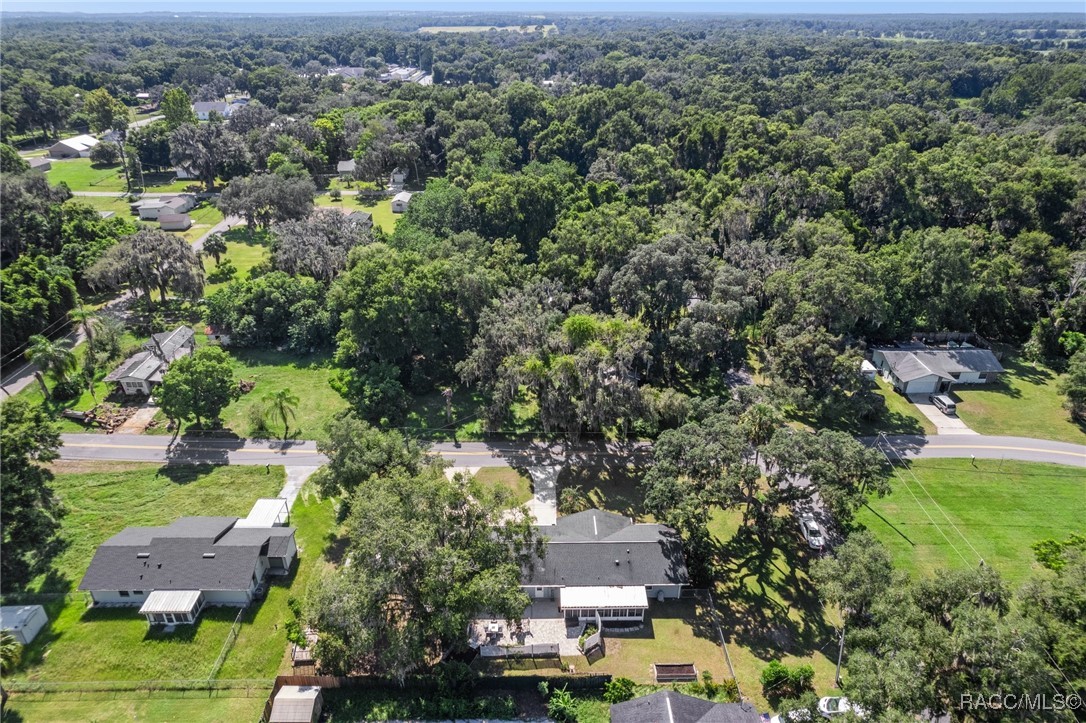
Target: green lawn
[
  {"x": 204, "y": 216},
  {"x": 1024, "y": 403},
  {"x": 1000, "y": 507},
  {"x": 103, "y": 498},
  {"x": 190, "y": 706},
  {"x": 769, "y": 608},
  {"x": 608, "y": 488},
  {"x": 243, "y": 254},
  {"x": 262, "y": 649},
  {"x": 118, "y": 204},
  {"x": 381, "y": 209},
  {"x": 82, "y": 175},
  {"x": 518, "y": 485},
  {"x": 898, "y": 416}
]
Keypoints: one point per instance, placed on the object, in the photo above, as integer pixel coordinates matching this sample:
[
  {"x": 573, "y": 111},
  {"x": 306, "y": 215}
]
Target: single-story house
[
  {"x": 174, "y": 221},
  {"x": 139, "y": 373},
  {"x": 672, "y": 707},
  {"x": 297, "y": 704},
  {"x": 203, "y": 109},
  {"x": 398, "y": 177},
  {"x": 149, "y": 209},
  {"x": 602, "y": 562},
  {"x": 77, "y": 147},
  {"x": 39, "y": 164},
  {"x": 915, "y": 368},
  {"x": 345, "y": 168},
  {"x": 362, "y": 218},
  {"x": 24, "y": 622},
  {"x": 173, "y": 572},
  {"x": 143, "y": 96},
  {"x": 400, "y": 201},
  {"x": 349, "y": 71}
]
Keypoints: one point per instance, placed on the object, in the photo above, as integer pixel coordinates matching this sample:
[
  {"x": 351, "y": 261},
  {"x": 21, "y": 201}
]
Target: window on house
[
  {"x": 137, "y": 592},
  {"x": 122, "y": 593}
]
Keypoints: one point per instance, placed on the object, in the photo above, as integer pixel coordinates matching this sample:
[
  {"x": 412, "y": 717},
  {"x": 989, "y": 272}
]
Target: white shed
[
  {"x": 297, "y": 704},
  {"x": 400, "y": 201},
  {"x": 24, "y": 622}
]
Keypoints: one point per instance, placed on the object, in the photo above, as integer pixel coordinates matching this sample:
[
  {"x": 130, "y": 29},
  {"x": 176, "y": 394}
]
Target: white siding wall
[
  {"x": 971, "y": 378},
  {"x": 226, "y": 597},
  {"x": 114, "y": 597},
  {"x": 671, "y": 592}
]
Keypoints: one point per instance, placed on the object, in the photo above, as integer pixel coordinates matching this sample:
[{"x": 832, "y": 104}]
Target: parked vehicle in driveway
[
  {"x": 812, "y": 533},
  {"x": 833, "y": 706},
  {"x": 945, "y": 404}
]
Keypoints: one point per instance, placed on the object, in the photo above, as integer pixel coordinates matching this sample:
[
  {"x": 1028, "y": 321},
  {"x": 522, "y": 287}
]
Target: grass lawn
[
  {"x": 1024, "y": 403},
  {"x": 81, "y": 175},
  {"x": 193, "y": 707},
  {"x": 114, "y": 643},
  {"x": 1000, "y": 507},
  {"x": 769, "y": 609},
  {"x": 899, "y": 416},
  {"x": 517, "y": 484},
  {"x": 675, "y": 631},
  {"x": 261, "y": 649},
  {"x": 243, "y": 254},
  {"x": 118, "y": 204},
  {"x": 380, "y": 208},
  {"x": 204, "y": 216}
]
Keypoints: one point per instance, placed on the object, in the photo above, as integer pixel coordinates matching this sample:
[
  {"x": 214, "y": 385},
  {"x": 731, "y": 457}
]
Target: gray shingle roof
[
  {"x": 667, "y": 706},
  {"x": 141, "y": 365},
  {"x": 909, "y": 364},
  {"x": 171, "y": 342},
  {"x": 206, "y": 106},
  {"x": 345, "y": 166},
  {"x": 583, "y": 550},
  {"x": 192, "y": 553}
]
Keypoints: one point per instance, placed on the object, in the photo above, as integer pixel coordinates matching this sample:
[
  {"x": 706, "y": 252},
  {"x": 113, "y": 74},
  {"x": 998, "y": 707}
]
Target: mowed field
[{"x": 948, "y": 513}]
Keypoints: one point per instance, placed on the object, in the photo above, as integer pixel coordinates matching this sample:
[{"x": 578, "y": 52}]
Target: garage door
[{"x": 923, "y": 385}]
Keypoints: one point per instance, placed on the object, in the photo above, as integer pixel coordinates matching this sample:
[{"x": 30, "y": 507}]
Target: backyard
[
  {"x": 82, "y": 175},
  {"x": 999, "y": 508},
  {"x": 188, "y": 706},
  {"x": 1025, "y": 402},
  {"x": 241, "y": 251},
  {"x": 380, "y": 208}
]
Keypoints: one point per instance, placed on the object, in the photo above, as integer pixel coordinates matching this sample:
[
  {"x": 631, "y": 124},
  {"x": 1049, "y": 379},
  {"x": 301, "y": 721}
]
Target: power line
[{"x": 917, "y": 499}]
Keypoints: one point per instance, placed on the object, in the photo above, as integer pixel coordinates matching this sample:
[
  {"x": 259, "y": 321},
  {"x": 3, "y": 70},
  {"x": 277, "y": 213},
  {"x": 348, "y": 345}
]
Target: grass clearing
[
  {"x": 616, "y": 489},
  {"x": 898, "y": 416},
  {"x": 518, "y": 485},
  {"x": 117, "y": 204},
  {"x": 189, "y": 706},
  {"x": 82, "y": 175},
  {"x": 1023, "y": 403},
  {"x": 381, "y": 209},
  {"x": 1000, "y": 507},
  {"x": 243, "y": 254}
]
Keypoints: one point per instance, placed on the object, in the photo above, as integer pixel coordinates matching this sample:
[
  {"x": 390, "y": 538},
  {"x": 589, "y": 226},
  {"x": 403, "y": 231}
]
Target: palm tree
[
  {"x": 10, "y": 650},
  {"x": 54, "y": 358},
  {"x": 284, "y": 403},
  {"x": 85, "y": 318}
]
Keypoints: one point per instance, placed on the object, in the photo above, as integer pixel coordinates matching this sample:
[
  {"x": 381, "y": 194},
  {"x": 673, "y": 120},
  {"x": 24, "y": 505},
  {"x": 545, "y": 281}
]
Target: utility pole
[{"x": 840, "y": 654}]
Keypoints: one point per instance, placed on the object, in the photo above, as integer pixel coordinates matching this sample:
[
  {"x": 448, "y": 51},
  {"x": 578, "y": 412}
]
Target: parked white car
[
  {"x": 812, "y": 533},
  {"x": 832, "y": 706}
]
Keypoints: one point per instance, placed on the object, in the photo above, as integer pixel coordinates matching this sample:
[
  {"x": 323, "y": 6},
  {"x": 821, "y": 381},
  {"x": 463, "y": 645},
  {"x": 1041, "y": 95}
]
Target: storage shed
[
  {"x": 24, "y": 622},
  {"x": 297, "y": 704}
]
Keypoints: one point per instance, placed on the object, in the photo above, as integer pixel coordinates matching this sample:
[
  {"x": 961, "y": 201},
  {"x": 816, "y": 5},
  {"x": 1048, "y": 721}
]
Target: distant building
[
  {"x": 398, "y": 177},
  {"x": 345, "y": 168},
  {"x": 39, "y": 164},
  {"x": 362, "y": 218},
  {"x": 141, "y": 372},
  {"x": 400, "y": 201},
  {"x": 203, "y": 109},
  {"x": 173, "y": 572},
  {"x": 150, "y": 209},
  {"x": 77, "y": 147},
  {"x": 217, "y": 334},
  {"x": 349, "y": 71}
]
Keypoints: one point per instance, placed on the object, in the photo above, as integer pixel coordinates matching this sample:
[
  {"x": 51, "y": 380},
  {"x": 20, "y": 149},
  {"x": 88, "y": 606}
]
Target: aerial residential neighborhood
[{"x": 691, "y": 365}]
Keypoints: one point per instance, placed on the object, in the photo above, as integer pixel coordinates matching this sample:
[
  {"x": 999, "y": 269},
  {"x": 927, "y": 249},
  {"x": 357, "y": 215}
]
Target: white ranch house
[
  {"x": 914, "y": 368},
  {"x": 76, "y": 147},
  {"x": 139, "y": 373}
]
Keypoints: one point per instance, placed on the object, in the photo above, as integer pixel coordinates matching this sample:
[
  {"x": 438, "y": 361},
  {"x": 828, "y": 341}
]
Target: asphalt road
[{"x": 197, "y": 450}]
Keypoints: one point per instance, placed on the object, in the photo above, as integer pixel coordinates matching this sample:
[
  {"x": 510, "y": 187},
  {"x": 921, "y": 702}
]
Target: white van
[{"x": 944, "y": 403}]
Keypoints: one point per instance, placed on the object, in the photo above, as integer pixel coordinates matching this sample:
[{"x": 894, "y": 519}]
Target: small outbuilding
[
  {"x": 174, "y": 222},
  {"x": 297, "y": 704},
  {"x": 39, "y": 164},
  {"x": 24, "y": 622},
  {"x": 345, "y": 168},
  {"x": 398, "y": 177},
  {"x": 400, "y": 201}
]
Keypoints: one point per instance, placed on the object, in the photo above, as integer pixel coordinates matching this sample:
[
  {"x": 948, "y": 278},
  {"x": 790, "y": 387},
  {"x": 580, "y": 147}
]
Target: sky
[{"x": 310, "y": 7}]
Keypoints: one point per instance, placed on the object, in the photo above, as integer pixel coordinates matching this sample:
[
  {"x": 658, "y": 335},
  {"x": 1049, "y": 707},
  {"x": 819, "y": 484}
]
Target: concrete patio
[{"x": 542, "y": 624}]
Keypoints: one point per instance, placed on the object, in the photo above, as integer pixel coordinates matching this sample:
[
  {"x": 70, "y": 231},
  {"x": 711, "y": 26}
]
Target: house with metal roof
[
  {"x": 76, "y": 147},
  {"x": 139, "y": 373},
  {"x": 915, "y": 368},
  {"x": 346, "y": 168},
  {"x": 173, "y": 572},
  {"x": 601, "y": 562},
  {"x": 204, "y": 109},
  {"x": 668, "y": 706},
  {"x": 296, "y": 704},
  {"x": 401, "y": 201}
]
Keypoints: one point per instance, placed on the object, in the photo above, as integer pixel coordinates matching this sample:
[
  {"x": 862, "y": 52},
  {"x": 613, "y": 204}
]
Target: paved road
[
  {"x": 984, "y": 447},
  {"x": 151, "y": 448}
]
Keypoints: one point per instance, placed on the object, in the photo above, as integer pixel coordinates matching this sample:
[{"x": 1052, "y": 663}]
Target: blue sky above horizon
[{"x": 312, "y": 7}]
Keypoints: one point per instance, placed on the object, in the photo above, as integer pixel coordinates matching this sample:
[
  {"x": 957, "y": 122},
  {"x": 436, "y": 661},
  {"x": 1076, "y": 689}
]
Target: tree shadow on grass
[
  {"x": 765, "y": 604},
  {"x": 182, "y": 474}
]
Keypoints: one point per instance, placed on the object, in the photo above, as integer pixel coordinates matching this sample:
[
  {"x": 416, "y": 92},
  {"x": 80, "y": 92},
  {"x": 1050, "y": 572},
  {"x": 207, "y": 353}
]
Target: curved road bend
[{"x": 197, "y": 450}]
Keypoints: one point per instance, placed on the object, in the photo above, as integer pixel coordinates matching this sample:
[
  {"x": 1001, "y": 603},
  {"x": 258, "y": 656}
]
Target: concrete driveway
[{"x": 944, "y": 424}]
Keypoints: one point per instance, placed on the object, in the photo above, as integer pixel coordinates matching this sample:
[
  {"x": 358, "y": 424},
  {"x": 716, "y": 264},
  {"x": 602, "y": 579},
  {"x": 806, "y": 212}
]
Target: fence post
[{"x": 720, "y": 634}]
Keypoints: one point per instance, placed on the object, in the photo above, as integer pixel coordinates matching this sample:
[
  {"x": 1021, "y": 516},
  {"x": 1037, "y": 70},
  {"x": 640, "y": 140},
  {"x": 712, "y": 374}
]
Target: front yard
[
  {"x": 380, "y": 208},
  {"x": 1023, "y": 403}
]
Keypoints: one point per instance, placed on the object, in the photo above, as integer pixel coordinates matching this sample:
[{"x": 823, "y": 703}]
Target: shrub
[
  {"x": 780, "y": 681},
  {"x": 618, "y": 690},
  {"x": 67, "y": 389},
  {"x": 560, "y": 704},
  {"x": 105, "y": 154},
  {"x": 335, "y": 194},
  {"x": 589, "y": 631},
  {"x": 225, "y": 271}
]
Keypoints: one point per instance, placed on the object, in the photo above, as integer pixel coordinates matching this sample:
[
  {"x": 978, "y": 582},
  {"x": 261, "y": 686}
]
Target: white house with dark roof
[
  {"x": 150, "y": 209},
  {"x": 203, "y": 109},
  {"x": 598, "y": 561},
  {"x": 915, "y": 368},
  {"x": 139, "y": 373},
  {"x": 173, "y": 572}
]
